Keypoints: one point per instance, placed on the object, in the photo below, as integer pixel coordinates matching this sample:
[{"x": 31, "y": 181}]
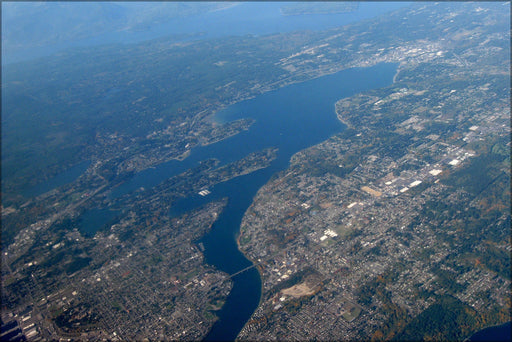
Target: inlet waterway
[
  {"x": 493, "y": 334},
  {"x": 291, "y": 118}
]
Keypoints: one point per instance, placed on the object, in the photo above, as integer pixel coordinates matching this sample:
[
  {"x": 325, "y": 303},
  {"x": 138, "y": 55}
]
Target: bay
[
  {"x": 291, "y": 118},
  {"x": 496, "y": 333},
  {"x": 63, "y": 178},
  {"x": 94, "y": 219},
  {"x": 256, "y": 18}
]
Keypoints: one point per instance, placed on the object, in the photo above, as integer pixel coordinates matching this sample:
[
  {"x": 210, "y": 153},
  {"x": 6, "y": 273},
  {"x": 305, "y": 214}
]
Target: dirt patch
[
  {"x": 325, "y": 205},
  {"x": 298, "y": 290},
  {"x": 371, "y": 191}
]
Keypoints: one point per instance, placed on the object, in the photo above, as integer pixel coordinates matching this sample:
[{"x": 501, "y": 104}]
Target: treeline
[{"x": 446, "y": 320}]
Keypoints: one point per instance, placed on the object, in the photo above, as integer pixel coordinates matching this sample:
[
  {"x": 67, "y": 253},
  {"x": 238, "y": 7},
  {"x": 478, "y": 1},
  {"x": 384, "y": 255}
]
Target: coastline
[
  {"x": 490, "y": 331},
  {"x": 258, "y": 268}
]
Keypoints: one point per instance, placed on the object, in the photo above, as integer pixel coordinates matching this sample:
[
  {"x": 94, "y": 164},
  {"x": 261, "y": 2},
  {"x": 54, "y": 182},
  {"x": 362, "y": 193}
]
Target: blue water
[
  {"x": 497, "y": 333},
  {"x": 256, "y": 18},
  {"x": 291, "y": 118},
  {"x": 58, "y": 180},
  {"x": 94, "y": 219}
]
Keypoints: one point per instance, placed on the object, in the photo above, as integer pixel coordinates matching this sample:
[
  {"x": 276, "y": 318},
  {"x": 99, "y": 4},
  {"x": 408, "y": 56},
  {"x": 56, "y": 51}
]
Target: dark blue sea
[
  {"x": 61, "y": 179},
  {"x": 491, "y": 334}
]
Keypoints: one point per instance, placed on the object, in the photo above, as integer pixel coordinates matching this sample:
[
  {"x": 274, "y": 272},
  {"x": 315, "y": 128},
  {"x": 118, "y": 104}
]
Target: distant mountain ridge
[
  {"x": 319, "y": 8},
  {"x": 34, "y": 24}
]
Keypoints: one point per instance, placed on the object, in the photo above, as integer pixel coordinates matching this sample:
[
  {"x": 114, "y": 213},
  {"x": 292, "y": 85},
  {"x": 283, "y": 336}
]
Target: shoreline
[
  {"x": 257, "y": 267},
  {"x": 485, "y": 330}
]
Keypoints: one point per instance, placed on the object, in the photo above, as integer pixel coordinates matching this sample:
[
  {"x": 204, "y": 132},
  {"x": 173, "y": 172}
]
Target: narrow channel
[{"x": 291, "y": 118}]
